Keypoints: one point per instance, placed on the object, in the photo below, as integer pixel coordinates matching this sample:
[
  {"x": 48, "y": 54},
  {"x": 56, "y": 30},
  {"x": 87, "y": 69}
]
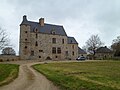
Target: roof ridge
[
  {"x": 46, "y": 23},
  {"x": 47, "y": 28},
  {"x": 54, "y": 25},
  {"x": 70, "y": 37}
]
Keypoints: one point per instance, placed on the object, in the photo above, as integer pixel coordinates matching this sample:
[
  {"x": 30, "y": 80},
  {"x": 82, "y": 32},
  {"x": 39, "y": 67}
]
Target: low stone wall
[{"x": 8, "y": 58}]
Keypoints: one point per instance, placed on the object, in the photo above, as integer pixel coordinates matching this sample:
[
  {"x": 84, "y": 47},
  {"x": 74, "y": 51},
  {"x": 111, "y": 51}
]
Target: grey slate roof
[
  {"x": 46, "y": 29},
  {"x": 81, "y": 51},
  {"x": 71, "y": 40},
  {"x": 103, "y": 50}
]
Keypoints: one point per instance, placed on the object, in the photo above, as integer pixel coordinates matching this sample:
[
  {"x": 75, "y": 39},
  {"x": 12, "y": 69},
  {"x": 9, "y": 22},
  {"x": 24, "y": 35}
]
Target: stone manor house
[{"x": 42, "y": 41}]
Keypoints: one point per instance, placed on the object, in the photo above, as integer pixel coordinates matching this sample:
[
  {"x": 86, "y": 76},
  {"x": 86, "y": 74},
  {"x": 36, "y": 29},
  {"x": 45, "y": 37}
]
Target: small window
[
  {"x": 1, "y": 60},
  {"x": 25, "y": 47},
  {"x": 58, "y": 50},
  {"x": 53, "y": 32},
  {"x": 72, "y": 46},
  {"x": 32, "y": 53},
  {"x": 8, "y": 60},
  {"x": 25, "y": 31},
  {"x": 36, "y": 44},
  {"x": 73, "y": 53},
  {"x": 66, "y": 53},
  {"x": 36, "y": 36},
  {"x": 56, "y": 56},
  {"x": 36, "y": 30},
  {"x": 53, "y": 40},
  {"x": 62, "y": 41},
  {"x": 25, "y": 39},
  {"x": 39, "y": 56},
  {"x": 40, "y": 50},
  {"x": 54, "y": 50}
]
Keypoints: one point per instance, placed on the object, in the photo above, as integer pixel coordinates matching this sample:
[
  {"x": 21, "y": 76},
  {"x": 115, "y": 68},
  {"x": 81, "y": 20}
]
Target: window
[
  {"x": 36, "y": 36},
  {"x": 25, "y": 31},
  {"x": 53, "y": 40},
  {"x": 72, "y": 46},
  {"x": 66, "y": 53},
  {"x": 36, "y": 44},
  {"x": 56, "y": 56},
  {"x": 54, "y": 50},
  {"x": 73, "y": 53},
  {"x": 58, "y": 50},
  {"x": 62, "y": 41},
  {"x": 25, "y": 47},
  {"x": 32, "y": 53},
  {"x": 25, "y": 39},
  {"x": 39, "y": 56},
  {"x": 40, "y": 50},
  {"x": 36, "y": 30},
  {"x": 53, "y": 32}
]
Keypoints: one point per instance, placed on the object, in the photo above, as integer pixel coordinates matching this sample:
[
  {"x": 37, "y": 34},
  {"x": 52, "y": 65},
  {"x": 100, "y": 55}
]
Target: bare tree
[
  {"x": 93, "y": 43},
  {"x": 84, "y": 48},
  {"x": 116, "y": 46},
  {"x": 4, "y": 41}
]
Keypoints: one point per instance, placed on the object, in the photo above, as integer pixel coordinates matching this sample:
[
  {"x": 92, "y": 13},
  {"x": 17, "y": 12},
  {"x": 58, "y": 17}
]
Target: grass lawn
[
  {"x": 93, "y": 75},
  {"x": 8, "y": 72}
]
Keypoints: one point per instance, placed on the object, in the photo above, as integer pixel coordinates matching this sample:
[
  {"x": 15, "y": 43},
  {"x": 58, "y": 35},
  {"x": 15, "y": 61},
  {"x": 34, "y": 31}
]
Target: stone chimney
[
  {"x": 24, "y": 18},
  {"x": 105, "y": 46},
  {"x": 41, "y": 21}
]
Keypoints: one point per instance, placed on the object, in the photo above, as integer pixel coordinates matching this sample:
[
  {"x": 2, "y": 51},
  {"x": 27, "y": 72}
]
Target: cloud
[{"x": 80, "y": 18}]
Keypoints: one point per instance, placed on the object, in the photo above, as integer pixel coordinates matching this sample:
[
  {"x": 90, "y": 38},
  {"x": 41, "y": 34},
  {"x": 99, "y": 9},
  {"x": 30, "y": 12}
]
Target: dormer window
[
  {"x": 36, "y": 30},
  {"x": 53, "y": 32}
]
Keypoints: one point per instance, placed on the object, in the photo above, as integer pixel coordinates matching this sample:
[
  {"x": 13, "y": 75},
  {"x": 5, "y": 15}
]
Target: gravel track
[{"x": 29, "y": 79}]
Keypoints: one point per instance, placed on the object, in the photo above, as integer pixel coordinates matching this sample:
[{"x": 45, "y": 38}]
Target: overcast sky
[{"x": 80, "y": 18}]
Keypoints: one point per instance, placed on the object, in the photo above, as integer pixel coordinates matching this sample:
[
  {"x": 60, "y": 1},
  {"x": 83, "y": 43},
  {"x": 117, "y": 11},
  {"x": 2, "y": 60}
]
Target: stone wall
[
  {"x": 45, "y": 44},
  {"x": 102, "y": 56},
  {"x": 72, "y": 51},
  {"x": 24, "y": 48},
  {"x": 38, "y": 46},
  {"x": 8, "y": 58}
]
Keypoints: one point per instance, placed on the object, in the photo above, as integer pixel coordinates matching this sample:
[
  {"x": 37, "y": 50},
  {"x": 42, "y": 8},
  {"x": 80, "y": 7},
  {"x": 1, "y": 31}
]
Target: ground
[
  {"x": 29, "y": 79},
  {"x": 100, "y": 74}
]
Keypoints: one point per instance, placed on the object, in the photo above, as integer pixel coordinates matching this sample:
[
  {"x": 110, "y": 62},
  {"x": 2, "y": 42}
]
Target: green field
[
  {"x": 92, "y": 75},
  {"x": 8, "y": 72}
]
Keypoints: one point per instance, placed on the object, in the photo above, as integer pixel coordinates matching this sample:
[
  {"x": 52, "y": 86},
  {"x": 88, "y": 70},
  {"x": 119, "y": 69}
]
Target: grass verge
[
  {"x": 8, "y": 72},
  {"x": 101, "y": 75}
]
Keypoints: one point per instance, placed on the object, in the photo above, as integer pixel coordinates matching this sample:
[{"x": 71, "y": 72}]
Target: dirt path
[{"x": 29, "y": 79}]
